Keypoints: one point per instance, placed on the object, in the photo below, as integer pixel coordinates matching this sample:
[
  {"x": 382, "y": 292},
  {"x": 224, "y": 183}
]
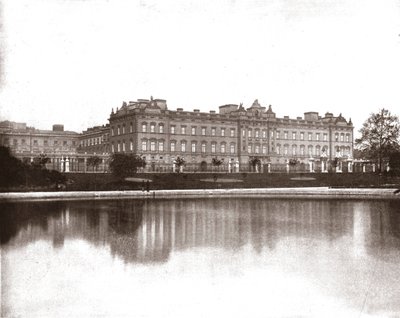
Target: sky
[{"x": 71, "y": 61}]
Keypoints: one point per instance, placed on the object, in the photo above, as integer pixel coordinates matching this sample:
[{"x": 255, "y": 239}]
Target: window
[
  {"x": 118, "y": 147},
  {"x": 257, "y": 133},
  {"x": 318, "y": 150},
  {"x": 203, "y": 131},
  {"x": 336, "y": 137},
  {"x": 144, "y": 128},
  {"x": 233, "y": 135},
  {"x": 123, "y": 129},
  {"x": 257, "y": 149},
  {"x": 161, "y": 128},
  {"x": 152, "y": 146},
  {"x": 193, "y": 131},
  {"x": 173, "y": 144},
  {"x": 347, "y": 138},
  {"x": 213, "y": 131},
  {"x": 310, "y": 151},
  {"x": 131, "y": 145},
  {"x": 278, "y": 149},
  {"x": 285, "y": 134},
  {"x": 112, "y": 131},
  {"x": 203, "y": 147},
  {"x": 173, "y": 130},
  {"x": 233, "y": 146},
  {"x": 223, "y": 149},
  {"x": 112, "y": 148},
  {"x": 23, "y": 141},
  {"x": 131, "y": 128},
  {"x": 249, "y": 148},
  {"x": 213, "y": 147},
  {"x": 294, "y": 150},
  {"x": 118, "y": 130},
  {"x": 309, "y": 136},
  {"x": 144, "y": 145},
  {"x": 293, "y": 135},
  {"x": 183, "y": 130},
  {"x": 302, "y": 150},
  {"x": 249, "y": 133},
  {"x": 285, "y": 149},
  {"x": 244, "y": 132},
  {"x": 161, "y": 146},
  {"x": 325, "y": 137},
  {"x": 35, "y": 142},
  {"x": 272, "y": 134},
  {"x": 223, "y": 132},
  {"x": 264, "y": 134},
  {"x": 341, "y": 137},
  {"x": 183, "y": 146},
  {"x": 264, "y": 149},
  {"x": 46, "y": 142},
  {"x": 152, "y": 128},
  {"x": 123, "y": 146},
  {"x": 193, "y": 147},
  {"x": 65, "y": 143},
  {"x": 55, "y": 142},
  {"x": 301, "y": 136}
]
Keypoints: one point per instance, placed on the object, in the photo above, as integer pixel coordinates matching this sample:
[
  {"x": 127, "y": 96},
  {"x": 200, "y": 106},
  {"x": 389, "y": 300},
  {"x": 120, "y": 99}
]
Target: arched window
[
  {"x": 213, "y": 147},
  {"x": 232, "y": 146},
  {"x": 152, "y": 145},
  {"x": 203, "y": 147},
  {"x": 310, "y": 150},
  {"x": 183, "y": 146},
  {"x": 144, "y": 127},
  {"x": 144, "y": 145},
  {"x": 223, "y": 148}
]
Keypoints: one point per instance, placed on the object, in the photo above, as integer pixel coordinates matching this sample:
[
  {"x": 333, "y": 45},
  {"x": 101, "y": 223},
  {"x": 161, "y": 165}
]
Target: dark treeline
[{"x": 16, "y": 173}]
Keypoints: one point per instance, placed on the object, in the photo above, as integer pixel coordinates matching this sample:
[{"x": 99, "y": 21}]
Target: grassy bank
[{"x": 103, "y": 182}]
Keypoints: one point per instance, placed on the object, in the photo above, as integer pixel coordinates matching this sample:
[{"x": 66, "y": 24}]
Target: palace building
[{"x": 235, "y": 135}]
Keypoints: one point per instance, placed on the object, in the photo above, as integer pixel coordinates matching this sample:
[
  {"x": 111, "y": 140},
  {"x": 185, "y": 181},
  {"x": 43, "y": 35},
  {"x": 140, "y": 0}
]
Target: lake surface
[{"x": 200, "y": 258}]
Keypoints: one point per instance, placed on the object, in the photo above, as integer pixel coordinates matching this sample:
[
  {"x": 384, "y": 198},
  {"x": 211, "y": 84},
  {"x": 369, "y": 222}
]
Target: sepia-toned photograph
[{"x": 199, "y": 158}]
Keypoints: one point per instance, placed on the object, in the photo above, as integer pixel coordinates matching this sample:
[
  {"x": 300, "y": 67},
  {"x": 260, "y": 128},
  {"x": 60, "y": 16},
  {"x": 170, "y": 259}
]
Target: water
[{"x": 201, "y": 258}]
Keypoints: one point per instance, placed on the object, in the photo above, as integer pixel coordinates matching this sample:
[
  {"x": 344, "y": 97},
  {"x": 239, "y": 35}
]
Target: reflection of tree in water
[
  {"x": 148, "y": 231},
  {"x": 17, "y": 216}
]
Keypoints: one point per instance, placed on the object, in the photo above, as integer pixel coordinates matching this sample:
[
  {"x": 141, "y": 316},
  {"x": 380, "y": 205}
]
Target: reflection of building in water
[{"x": 148, "y": 231}]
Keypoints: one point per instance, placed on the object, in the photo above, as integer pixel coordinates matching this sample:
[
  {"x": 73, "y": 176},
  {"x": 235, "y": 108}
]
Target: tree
[
  {"x": 216, "y": 162},
  {"x": 41, "y": 161},
  {"x": 379, "y": 136},
  {"x": 93, "y": 162},
  {"x": 12, "y": 170},
  {"x": 179, "y": 162},
  {"x": 255, "y": 162},
  {"x": 124, "y": 165}
]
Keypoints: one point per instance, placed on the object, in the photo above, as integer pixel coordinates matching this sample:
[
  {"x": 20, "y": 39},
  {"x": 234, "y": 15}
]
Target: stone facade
[
  {"x": 235, "y": 135},
  {"x": 60, "y": 146},
  {"x": 95, "y": 140}
]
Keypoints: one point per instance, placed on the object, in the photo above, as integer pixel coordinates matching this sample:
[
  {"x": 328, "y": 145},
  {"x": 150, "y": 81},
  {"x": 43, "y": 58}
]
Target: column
[
  {"x": 66, "y": 164},
  {"x": 62, "y": 164},
  {"x": 269, "y": 168}
]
